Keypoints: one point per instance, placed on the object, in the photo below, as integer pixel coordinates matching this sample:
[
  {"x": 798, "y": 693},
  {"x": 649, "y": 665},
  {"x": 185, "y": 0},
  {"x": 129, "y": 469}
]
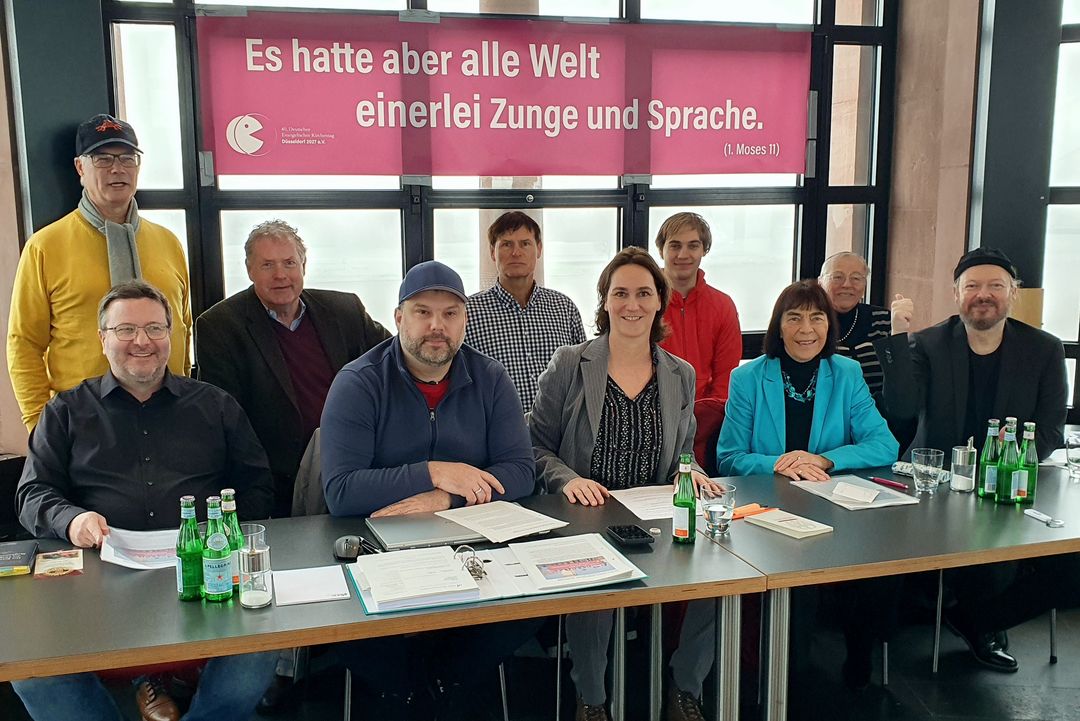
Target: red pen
[{"x": 890, "y": 484}]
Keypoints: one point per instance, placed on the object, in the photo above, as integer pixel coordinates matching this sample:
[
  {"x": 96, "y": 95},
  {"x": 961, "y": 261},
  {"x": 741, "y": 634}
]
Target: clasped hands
[
  {"x": 588, "y": 492},
  {"x": 803, "y": 466},
  {"x": 449, "y": 479}
]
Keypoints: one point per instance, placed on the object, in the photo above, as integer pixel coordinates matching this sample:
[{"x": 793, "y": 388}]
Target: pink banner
[{"x": 360, "y": 94}]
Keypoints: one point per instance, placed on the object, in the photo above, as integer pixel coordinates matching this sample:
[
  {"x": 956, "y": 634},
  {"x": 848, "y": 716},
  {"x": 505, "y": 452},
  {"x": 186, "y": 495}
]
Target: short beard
[
  {"x": 415, "y": 347},
  {"x": 982, "y": 323}
]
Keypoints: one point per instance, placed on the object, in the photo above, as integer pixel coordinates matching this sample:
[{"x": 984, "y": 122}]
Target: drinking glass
[
  {"x": 718, "y": 506},
  {"x": 1072, "y": 456},
  {"x": 256, "y": 578},
  {"x": 926, "y": 464}
]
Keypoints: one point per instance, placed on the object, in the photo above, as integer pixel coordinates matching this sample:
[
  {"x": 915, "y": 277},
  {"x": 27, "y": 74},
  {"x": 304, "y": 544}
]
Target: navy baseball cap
[
  {"x": 104, "y": 130},
  {"x": 430, "y": 275},
  {"x": 984, "y": 256}
]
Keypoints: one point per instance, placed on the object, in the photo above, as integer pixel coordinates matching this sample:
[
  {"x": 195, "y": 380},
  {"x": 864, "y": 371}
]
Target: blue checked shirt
[{"x": 522, "y": 339}]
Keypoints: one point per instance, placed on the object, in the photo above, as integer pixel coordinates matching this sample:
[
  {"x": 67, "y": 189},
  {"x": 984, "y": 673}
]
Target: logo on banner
[{"x": 241, "y": 134}]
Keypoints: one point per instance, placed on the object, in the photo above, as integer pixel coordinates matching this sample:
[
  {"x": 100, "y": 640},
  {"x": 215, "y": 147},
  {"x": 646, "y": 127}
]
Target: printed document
[
  {"x": 415, "y": 578},
  {"x": 649, "y": 502},
  {"x": 500, "y": 521},
  {"x": 141, "y": 550},
  {"x": 556, "y": 564}
]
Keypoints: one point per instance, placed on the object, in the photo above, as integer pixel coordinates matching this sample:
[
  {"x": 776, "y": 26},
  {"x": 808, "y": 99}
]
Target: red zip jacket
[{"x": 705, "y": 333}]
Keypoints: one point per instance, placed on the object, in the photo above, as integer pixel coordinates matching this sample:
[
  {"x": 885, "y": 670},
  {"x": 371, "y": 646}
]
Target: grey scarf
[{"x": 123, "y": 253}]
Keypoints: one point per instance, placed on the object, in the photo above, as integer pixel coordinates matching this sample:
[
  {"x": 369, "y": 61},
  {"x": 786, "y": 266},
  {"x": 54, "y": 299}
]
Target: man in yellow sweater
[{"x": 68, "y": 266}]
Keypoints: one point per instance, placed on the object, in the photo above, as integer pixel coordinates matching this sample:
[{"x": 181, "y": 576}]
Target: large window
[
  {"x": 1061, "y": 263},
  {"x": 363, "y": 232}
]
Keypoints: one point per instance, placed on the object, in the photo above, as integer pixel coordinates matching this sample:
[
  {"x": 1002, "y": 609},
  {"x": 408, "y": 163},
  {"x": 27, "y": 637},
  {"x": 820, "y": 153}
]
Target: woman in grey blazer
[{"x": 616, "y": 412}]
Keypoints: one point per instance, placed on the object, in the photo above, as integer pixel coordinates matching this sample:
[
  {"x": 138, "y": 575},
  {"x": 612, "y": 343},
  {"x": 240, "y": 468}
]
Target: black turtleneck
[{"x": 798, "y": 415}]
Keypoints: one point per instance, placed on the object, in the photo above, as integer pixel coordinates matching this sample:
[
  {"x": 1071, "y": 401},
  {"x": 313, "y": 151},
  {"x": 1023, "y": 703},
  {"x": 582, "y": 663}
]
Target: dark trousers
[{"x": 466, "y": 656}]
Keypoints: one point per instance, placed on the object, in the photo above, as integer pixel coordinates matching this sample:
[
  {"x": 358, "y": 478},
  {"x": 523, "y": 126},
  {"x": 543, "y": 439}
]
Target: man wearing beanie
[
  {"x": 69, "y": 265},
  {"x": 951, "y": 379}
]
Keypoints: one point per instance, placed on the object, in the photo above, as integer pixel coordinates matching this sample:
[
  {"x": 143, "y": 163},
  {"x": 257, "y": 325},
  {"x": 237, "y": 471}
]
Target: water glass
[
  {"x": 926, "y": 464},
  {"x": 963, "y": 469},
  {"x": 256, "y": 578},
  {"x": 718, "y": 506},
  {"x": 1072, "y": 456}
]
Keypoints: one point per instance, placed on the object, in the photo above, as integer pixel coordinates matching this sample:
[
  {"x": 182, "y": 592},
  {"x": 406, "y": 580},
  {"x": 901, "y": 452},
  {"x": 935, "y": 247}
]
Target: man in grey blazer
[{"x": 277, "y": 346}]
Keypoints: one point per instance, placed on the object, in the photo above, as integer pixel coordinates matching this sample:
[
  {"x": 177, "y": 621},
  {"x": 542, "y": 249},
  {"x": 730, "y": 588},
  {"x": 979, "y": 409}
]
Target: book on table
[
  {"x": 17, "y": 557},
  {"x": 788, "y": 524}
]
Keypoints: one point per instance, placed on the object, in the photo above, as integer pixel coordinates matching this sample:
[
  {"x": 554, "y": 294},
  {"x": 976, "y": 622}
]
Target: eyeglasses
[
  {"x": 126, "y": 331},
  {"x": 841, "y": 278},
  {"x": 106, "y": 160}
]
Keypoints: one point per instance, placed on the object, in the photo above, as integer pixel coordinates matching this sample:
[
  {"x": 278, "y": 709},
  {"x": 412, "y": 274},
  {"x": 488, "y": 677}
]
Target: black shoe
[
  {"x": 276, "y": 698},
  {"x": 985, "y": 648},
  {"x": 1002, "y": 638}
]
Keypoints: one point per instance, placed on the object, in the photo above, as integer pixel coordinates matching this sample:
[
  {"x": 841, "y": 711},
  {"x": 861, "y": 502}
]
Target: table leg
[
  {"x": 656, "y": 663},
  {"x": 779, "y": 618},
  {"x": 618, "y": 691},
  {"x": 728, "y": 637},
  {"x": 937, "y": 619},
  {"x": 558, "y": 671}
]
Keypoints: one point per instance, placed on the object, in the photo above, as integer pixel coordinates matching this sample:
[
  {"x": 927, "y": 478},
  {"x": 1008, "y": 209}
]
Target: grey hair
[
  {"x": 132, "y": 290},
  {"x": 278, "y": 230},
  {"x": 838, "y": 256}
]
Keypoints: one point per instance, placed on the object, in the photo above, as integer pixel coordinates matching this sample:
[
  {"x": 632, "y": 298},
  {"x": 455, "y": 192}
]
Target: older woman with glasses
[
  {"x": 616, "y": 412},
  {"x": 803, "y": 411},
  {"x": 858, "y": 324}
]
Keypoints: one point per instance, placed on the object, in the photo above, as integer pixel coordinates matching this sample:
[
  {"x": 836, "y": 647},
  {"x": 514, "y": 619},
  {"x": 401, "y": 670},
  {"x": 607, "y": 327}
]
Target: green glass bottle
[
  {"x": 1029, "y": 466},
  {"x": 991, "y": 450},
  {"x": 189, "y": 550},
  {"x": 684, "y": 518},
  {"x": 217, "y": 556},
  {"x": 232, "y": 530},
  {"x": 1008, "y": 464}
]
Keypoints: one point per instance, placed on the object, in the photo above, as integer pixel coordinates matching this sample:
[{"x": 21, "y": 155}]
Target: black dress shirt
[
  {"x": 629, "y": 439},
  {"x": 97, "y": 448}
]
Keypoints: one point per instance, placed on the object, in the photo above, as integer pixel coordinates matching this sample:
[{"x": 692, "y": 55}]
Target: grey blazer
[{"x": 565, "y": 416}]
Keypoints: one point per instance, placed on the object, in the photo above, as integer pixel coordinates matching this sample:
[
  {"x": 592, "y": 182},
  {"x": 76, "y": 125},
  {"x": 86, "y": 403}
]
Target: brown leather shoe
[
  {"x": 682, "y": 706},
  {"x": 154, "y": 701},
  {"x": 585, "y": 712}
]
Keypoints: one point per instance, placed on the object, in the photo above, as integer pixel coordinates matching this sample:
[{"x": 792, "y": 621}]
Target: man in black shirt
[
  {"x": 952, "y": 378},
  {"x": 119, "y": 451}
]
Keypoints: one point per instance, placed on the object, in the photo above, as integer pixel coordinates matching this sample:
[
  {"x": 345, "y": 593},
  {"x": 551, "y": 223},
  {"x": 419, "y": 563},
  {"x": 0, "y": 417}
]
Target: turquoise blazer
[{"x": 846, "y": 428}]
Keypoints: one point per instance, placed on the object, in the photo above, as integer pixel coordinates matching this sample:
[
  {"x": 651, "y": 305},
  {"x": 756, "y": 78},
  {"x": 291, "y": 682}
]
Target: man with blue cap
[{"x": 422, "y": 423}]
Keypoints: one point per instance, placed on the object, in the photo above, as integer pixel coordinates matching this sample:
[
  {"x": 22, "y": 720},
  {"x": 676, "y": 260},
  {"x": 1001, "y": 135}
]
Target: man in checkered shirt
[{"x": 516, "y": 321}]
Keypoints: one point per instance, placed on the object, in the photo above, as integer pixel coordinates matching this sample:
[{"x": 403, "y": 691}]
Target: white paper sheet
[
  {"x": 309, "y": 585},
  {"x": 141, "y": 550},
  {"x": 417, "y": 577},
  {"x": 573, "y": 562},
  {"x": 648, "y": 502},
  {"x": 500, "y": 521},
  {"x": 885, "y": 496}
]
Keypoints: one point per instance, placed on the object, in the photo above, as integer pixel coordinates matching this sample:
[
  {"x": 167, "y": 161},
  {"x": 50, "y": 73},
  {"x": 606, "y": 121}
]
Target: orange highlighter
[{"x": 750, "y": 509}]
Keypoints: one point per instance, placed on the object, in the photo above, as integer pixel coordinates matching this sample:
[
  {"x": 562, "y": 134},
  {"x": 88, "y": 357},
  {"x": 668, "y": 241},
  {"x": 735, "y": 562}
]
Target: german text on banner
[{"x": 289, "y": 93}]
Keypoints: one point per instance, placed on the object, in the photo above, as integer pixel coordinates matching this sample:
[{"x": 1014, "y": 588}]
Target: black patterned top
[{"x": 627, "y": 449}]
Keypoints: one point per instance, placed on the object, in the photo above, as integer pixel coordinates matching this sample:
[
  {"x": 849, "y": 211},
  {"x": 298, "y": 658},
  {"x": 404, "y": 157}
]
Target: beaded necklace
[{"x": 807, "y": 394}]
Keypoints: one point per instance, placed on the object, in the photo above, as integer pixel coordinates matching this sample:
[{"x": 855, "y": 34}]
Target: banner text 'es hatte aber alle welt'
[{"x": 287, "y": 93}]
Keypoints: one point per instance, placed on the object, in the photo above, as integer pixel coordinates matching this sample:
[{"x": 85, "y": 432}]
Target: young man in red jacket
[{"x": 703, "y": 320}]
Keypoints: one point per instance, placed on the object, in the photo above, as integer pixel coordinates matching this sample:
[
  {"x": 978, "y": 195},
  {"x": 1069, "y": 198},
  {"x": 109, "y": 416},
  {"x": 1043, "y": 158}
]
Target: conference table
[
  {"x": 114, "y": 617},
  {"x": 942, "y": 531}
]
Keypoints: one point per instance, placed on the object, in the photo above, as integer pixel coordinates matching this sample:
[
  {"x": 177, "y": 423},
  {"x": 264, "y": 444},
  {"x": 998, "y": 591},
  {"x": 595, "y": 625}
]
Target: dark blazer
[
  {"x": 236, "y": 349},
  {"x": 926, "y": 378},
  {"x": 566, "y": 414}
]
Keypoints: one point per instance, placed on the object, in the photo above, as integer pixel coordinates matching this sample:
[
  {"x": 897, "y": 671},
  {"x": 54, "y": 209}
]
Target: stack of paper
[
  {"x": 500, "y": 521},
  {"x": 415, "y": 578},
  {"x": 788, "y": 523},
  {"x": 309, "y": 585}
]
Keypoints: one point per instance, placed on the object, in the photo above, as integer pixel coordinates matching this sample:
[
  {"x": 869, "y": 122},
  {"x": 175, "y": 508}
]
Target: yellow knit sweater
[{"x": 63, "y": 273}]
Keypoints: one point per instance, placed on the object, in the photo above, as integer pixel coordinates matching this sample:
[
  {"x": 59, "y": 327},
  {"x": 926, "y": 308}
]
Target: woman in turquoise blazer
[
  {"x": 804, "y": 412},
  {"x": 800, "y": 388}
]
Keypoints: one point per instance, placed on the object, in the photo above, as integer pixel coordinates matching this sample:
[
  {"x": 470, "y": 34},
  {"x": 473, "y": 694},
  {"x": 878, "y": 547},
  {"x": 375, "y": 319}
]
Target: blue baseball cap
[{"x": 430, "y": 275}]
